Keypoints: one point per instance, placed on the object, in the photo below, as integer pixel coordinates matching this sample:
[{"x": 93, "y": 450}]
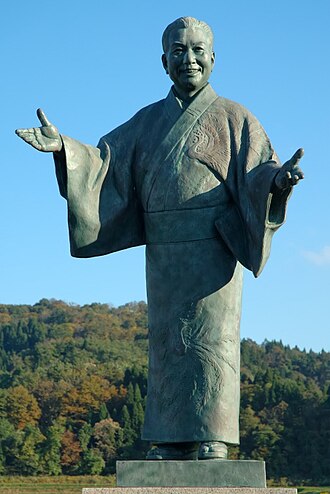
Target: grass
[
  {"x": 52, "y": 485},
  {"x": 313, "y": 490}
]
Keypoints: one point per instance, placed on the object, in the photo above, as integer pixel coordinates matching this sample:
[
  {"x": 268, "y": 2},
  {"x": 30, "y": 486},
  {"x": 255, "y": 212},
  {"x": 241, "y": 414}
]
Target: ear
[
  {"x": 164, "y": 62},
  {"x": 213, "y": 59}
]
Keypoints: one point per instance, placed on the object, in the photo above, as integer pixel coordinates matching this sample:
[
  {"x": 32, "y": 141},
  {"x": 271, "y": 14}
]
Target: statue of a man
[{"x": 195, "y": 178}]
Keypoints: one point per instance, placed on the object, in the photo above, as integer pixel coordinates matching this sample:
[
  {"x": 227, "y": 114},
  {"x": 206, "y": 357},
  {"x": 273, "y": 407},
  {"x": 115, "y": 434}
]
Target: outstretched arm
[
  {"x": 290, "y": 173},
  {"x": 45, "y": 138}
]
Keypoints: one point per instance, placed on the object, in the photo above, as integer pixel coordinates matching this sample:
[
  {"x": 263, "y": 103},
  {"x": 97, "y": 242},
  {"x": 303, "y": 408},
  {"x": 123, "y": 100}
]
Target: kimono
[{"x": 194, "y": 183}]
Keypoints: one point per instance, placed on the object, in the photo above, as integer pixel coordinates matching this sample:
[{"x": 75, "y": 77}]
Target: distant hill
[{"x": 73, "y": 382}]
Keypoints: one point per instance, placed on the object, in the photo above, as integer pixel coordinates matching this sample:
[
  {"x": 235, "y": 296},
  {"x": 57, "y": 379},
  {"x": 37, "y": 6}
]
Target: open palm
[{"x": 45, "y": 138}]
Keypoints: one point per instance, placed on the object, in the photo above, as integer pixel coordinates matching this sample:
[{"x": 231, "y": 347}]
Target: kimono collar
[{"x": 174, "y": 109}]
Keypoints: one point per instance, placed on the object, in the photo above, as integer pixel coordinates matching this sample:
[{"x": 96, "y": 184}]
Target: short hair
[{"x": 185, "y": 22}]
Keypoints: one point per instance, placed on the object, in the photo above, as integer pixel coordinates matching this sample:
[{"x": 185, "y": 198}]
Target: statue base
[
  {"x": 191, "y": 473},
  {"x": 190, "y": 477}
]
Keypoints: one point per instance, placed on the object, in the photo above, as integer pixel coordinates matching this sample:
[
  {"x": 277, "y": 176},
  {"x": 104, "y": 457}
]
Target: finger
[
  {"x": 32, "y": 130},
  {"x": 301, "y": 152},
  {"x": 26, "y": 136},
  {"x": 22, "y": 132},
  {"x": 298, "y": 176},
  {"x": 297, "y": 156},
  {"x": 42, "y": 118},
  {"x": 31, "y": 139},
  {"x": 298, "y": 173}
]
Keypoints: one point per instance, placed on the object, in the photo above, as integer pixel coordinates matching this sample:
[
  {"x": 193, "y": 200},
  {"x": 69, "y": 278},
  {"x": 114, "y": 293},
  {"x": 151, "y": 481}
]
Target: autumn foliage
[{"x": 73, "y": 383}]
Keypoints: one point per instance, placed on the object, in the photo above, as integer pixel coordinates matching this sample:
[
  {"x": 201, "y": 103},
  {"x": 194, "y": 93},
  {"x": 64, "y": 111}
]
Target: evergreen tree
[
  {"x": 51, "y": 451},
  {"x": 92, "y": 462},
  {"x": 104, "y": 413}
]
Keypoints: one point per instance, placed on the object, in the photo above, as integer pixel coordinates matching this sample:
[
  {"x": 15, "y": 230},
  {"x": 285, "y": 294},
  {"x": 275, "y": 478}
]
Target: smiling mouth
[{"x": 190, "y": 71}]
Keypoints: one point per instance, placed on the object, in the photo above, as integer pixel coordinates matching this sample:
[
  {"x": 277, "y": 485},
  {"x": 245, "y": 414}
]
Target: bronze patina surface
[{"x": 194, "y": 177}]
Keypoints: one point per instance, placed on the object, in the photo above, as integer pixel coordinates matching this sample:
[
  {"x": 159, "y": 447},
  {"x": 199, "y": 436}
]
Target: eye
[
  {"x": 199, "y": 49},
  {"x": 177, "y": 51}
]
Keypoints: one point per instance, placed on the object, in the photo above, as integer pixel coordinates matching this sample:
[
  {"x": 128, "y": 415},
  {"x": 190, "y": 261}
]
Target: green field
[
  {"x": 52, "y": 485},
  {"x": 314, "y": 490}
]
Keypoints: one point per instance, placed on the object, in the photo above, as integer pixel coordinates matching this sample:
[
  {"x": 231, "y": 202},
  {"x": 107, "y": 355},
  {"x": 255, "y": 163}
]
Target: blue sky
[{"x": 92, "y": 65}]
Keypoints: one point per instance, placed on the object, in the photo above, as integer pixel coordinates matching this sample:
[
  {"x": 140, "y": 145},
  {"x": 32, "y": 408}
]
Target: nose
[{"x": 189, "y": 57}]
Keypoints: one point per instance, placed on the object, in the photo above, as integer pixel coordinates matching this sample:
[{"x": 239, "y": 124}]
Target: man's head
[{"x": 188, "y": 55}]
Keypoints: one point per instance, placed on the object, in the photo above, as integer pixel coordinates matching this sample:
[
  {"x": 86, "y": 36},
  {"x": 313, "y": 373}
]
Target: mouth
[{"x": 190, "y": 71}]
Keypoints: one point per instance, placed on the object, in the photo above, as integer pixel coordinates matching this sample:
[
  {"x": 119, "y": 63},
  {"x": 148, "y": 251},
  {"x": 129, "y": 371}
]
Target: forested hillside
[{"x": 73, "y": 388}]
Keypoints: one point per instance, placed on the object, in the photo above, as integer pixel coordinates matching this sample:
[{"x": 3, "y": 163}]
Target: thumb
[{"x": 42, "y": 118}]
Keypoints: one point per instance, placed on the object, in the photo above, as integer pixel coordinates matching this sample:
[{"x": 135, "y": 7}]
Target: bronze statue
[{"x": 195, "y": 178}]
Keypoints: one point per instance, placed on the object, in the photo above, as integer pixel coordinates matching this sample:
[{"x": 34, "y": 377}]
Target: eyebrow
[{"x": 178, "y": 43}]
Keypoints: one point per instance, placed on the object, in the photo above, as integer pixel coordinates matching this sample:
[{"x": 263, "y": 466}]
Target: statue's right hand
[{"x": 45, "y": 138}]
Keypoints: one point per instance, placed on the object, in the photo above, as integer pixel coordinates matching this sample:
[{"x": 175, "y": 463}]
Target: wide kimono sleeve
[
  {"x": 258, "y": 208},
  {"x": 104, "y": 212}
]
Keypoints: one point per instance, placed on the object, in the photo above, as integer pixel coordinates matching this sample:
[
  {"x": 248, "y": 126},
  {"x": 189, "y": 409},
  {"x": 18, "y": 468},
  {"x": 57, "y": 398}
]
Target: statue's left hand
[{"x": 290, "y": 173}]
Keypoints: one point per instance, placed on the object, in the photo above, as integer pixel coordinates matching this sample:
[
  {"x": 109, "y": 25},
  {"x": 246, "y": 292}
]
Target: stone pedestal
[
  {"x": 207, "y": 473},
  {"x": 190, "y": 477}
]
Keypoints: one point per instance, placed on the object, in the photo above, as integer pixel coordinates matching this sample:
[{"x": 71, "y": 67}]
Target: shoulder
[
  {"x": 136, "y": 124},
  {"x": 149, "y": 109},
  {"x": 232, "y": 109}
]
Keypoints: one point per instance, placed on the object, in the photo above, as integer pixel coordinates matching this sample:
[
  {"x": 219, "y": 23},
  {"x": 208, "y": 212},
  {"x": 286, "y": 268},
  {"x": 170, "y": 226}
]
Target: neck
[{"x": 187, "y": 96}]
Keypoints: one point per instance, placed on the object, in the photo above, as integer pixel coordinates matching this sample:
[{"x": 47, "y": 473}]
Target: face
[{"x": 189, "y": 60}]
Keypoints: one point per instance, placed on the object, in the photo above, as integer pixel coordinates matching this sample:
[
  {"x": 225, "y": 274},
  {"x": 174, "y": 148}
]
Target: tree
[
  {"x": 104, "y": 413},
  {"x": 70, "y": 452},
  {"x": 51, "y": 450},
  {"x": 22, "y": 407},
  {"x": 49, "y": 394},
  {"x": 84, "y": 400},
  {"x": 249, "y": 423},
  {"x": 7, "y": 432},
  {"x": 26, "y": 450},
  {"x": 92, "y": 462},
  {"x": 129, "y": 434},
  {"x": 108, "y": 440},
  {"x": 84, "y": 436}
]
